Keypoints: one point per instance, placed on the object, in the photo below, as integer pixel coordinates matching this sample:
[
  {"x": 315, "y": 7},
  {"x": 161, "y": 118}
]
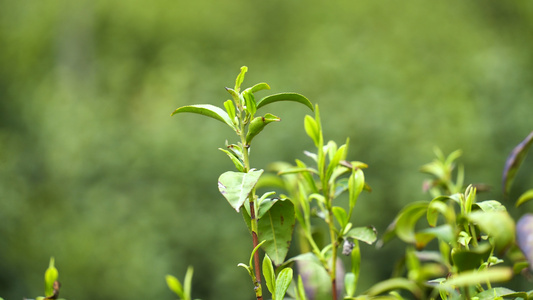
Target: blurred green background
[{"x": 95, "y": 172}]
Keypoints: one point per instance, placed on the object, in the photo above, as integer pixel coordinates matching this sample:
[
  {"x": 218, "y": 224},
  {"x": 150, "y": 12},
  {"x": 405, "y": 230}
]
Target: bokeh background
[{"x": 95, "y": 172}]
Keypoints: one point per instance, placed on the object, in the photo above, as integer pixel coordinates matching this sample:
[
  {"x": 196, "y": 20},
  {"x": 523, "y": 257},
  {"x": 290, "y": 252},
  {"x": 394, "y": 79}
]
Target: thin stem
[
  {"x": 253, "y": 219},
  {"x": 333, "y": 269}
]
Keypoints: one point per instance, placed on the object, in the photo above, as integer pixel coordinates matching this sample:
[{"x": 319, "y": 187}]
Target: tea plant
[
  {"x": 314, "y": 191},
  {"x": 269, "y": 219}
]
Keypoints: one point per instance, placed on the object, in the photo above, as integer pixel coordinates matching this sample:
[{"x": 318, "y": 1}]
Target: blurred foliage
[{"x": 94, "y": 172}]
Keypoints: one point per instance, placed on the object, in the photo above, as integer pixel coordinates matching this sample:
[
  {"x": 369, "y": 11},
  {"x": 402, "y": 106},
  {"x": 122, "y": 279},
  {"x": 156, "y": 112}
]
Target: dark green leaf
[
  {"x": 276, "y": 226},
  {"x": 284, "y": 97},
  {"x": 236, "y": 186},
  {"x": 209, "y": 110},
  {"x": 471, "y": 259},
  {"x": 514, "y": 161}
]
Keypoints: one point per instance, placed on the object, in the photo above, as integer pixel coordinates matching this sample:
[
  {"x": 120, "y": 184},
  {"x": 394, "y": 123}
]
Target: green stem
[{"x": 333, "y": 268}]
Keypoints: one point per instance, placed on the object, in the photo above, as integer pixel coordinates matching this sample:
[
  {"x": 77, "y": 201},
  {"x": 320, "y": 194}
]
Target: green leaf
[
  {"x": 334, "y": 162},
  {"x": 393, "y": 284},
  {"x": 209, "y": 110},
  {"x": 276, "y": 226},
  {"x": 240, "y": 78},
  {"x": 528, "y": 195},
  {"x": 490, "y": 205},
  {"x": 258, "y": 124},
  {"x": 444, "y": 233},
  {"x": 312, "y": 129},
  {"x": 498, "y": 225},
  {"x": 230, "y": 109},
  {"x": 365, "y": 234},
  {"x": 268, "y": 273},
  {"x": 187, "y": 283},
  {"x": 355, "y": 186},
  {"x": 472, "y": 278},
  {"x": 438, "y": 205},
  {"x": 407, "y": 219},
  {"x": 282, "y": 283},
  {"x": 284, "y": 97},
  {"x": 175, "y": 285},
  {"x": 236, "y": 161},
  {"x": 249, "y": 100},
  {"x": 500, "y": 292},
  {"x": 236, "y": 186},
  {"x": 471, "y": 259},
  {"x": 340, "y": 215},
  {"x": 258, "y": 87},
  {"x": 300, "y": 290},
  {"x": 50, "y": 276},
  {"x": 514, "y": 161}
]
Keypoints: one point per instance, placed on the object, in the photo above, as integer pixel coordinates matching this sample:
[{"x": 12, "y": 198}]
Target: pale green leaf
[
  {"x": 497, "y": 224},
  {"x": 236, "y": 186},
  {"x": 365, "y": 234},
  {"x": 175, "y": 285},
  {"x": 268, "y": 273},
  {"x": 50, "y": 276},
  {"x": 282, "y": 283},
  {"x": 240, "y": 78},
  {"x": 209, "y": 110},
  {"x": 393, "y": 284},
  {"x": 187, "y": 283},
  {"x": 472, "y": 278}
]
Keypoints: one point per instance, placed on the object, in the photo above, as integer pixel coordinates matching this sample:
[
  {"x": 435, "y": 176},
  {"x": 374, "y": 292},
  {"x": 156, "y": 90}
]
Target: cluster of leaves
[
  {"x": 269, "y": 219},
  {"x": 476, "y": 244},
  {"x": 314, "y": 191},
  {"x": 458, "y": 246}
]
